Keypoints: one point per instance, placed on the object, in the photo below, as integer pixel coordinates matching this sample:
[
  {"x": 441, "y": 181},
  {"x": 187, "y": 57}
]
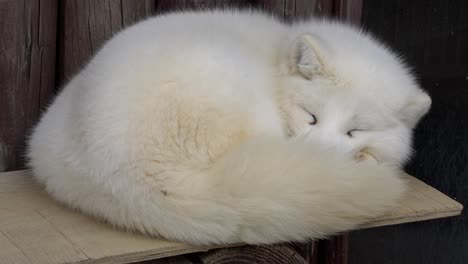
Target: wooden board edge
[
  {"x": 153, "y": 254},
  {"x": 143, "y": 256},
  {"x": 412, "y": 219}
]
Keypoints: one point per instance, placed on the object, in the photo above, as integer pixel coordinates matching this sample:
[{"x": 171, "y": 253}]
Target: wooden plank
[
  {"x": 27, "y": 70},
  {"x": 37, "y": 229},
  {"x": 308, "y": 251},
  {"x": 317, "y": 8},
  {"x": 10, "y": 253},
  {"x": 86, "y": 24},
  {"x": 21, "y": 227},
  {"x": 335, "y": 250},
  {"x": 163, "y": 6},
  {"x": 43, "y": 231},
  {"x": 133, "y": 11},
  {"x": 422, "y": 203},
  {"x": 348, "y": 10},
  {"x": 3, "y": 156},
  {"x": 285, "y": 9},
  {"x": 291, "y": 10}
]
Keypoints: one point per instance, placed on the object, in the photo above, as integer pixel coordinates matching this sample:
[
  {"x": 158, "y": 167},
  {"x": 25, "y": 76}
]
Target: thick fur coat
[{"x": 225, "y": 127}]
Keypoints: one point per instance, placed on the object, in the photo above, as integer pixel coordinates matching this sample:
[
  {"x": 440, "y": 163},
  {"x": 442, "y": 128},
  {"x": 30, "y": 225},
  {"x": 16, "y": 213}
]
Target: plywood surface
[
  {"x": 422, "y": 202},
  {"x": 36, "y": 229}
]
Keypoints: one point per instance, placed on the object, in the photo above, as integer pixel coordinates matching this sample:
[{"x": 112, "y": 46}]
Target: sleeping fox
[{"x": 229, "y": 126}]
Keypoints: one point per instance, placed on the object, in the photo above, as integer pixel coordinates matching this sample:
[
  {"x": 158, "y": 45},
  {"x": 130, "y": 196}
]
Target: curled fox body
[{"x": 226, "y": 127}]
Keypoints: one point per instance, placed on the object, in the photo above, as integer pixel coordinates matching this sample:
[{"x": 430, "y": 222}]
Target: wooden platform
[{"x": 36, "y": 229}]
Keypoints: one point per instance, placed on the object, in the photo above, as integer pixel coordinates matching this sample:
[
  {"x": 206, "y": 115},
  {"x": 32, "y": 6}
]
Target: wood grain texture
[
  {"x": 292, "y": 10},
  {"x": 287, "y": 10},
  {"x": 3, "y": 156},
  {"x": 279, "y": 253},
  {"x": 27, "y": 59},
  {"x": 421, "y": 202},
  {"x": 36, "y": 229},
  {"x": 348, "y": 10},
  {"x": 309, "y": 251},
  {"x": 39, "y": 230},
  {"x": 272, "y": 254},
  {"x": 334, "y": 250},
  {"x": 86, "y": 24}
]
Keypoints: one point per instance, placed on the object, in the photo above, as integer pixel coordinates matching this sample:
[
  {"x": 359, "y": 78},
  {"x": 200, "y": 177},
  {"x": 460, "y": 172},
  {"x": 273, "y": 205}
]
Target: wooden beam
[{"x": 273, "y": 254}]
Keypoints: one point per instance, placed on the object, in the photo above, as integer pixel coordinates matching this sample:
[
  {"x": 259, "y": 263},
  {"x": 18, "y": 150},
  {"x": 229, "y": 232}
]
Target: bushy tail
[{"x": 268, "y": 191}]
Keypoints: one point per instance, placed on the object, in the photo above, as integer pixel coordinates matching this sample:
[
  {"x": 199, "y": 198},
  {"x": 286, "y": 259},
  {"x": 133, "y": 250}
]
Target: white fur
[{"x": 195, "y": 127}]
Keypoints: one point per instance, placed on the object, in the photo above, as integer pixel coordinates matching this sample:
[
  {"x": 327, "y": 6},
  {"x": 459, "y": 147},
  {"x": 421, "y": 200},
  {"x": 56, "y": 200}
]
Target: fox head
[{"x": 343, "y": 89}]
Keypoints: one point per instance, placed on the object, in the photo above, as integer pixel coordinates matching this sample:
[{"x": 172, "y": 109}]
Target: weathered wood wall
[
  {"x": 27, "y": 71},
  {"x": 85, "y": 24}
]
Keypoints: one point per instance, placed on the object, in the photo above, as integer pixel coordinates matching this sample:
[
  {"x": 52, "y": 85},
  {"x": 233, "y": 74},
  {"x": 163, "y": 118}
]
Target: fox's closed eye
[
  {"x": 351, "y": 133},
  {"x": 313, "y": 121},
  {"x": 313, "y": 117}
]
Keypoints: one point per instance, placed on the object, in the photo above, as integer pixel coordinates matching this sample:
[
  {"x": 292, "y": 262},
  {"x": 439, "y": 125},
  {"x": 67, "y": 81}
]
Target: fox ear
[
  {"x": 415, "y": 109},
  {"x": 306, "y": 56}
]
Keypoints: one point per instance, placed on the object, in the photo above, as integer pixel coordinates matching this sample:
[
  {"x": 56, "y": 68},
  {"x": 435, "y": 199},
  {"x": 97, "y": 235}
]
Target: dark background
[{"x": 433, "y": 36}]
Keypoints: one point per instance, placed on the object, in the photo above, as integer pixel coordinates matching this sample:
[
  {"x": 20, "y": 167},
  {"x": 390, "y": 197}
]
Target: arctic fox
[{"x": 229, "y": 126}]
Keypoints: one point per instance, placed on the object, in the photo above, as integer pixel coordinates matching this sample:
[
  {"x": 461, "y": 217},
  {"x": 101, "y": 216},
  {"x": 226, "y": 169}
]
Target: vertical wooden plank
[
  {"x": 288, "y": 10},
  {"x": 3, "y": 156},
  {"x": 348, "y": 10},
  {"x": 292, "y": 10},
  {"x": 165, "y": 6},
  {"x": 317, "y": 8},
  {"x": 274, "y": 7},
  {"x": 335, "y": 250},
  {"x": 84, "y": 25},
  {"x": 133, "y": 11},
  {"x": 308, "y": 8},
  {"x": 199, "y": 4},
  {"x": 27, "y": 70},
  {"x": 309, "y": 251},
  {"x": 241, "y": 4}
]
